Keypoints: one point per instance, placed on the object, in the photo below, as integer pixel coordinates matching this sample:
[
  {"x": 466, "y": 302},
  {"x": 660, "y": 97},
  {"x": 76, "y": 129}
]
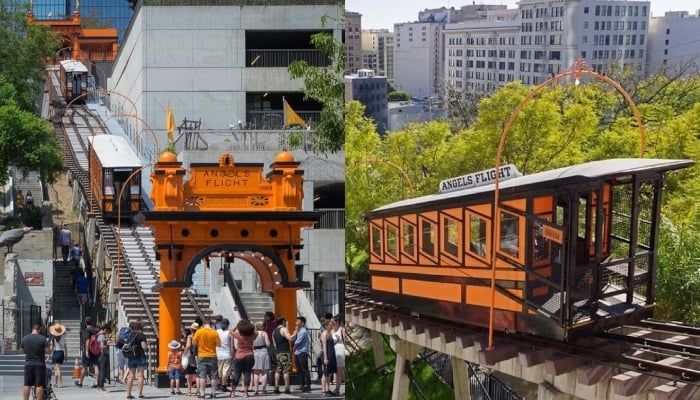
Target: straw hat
[
  {"x": 174, "y": 345},
  {"x": 194, "y": 326},
  {"x": 57, "y": 330}
]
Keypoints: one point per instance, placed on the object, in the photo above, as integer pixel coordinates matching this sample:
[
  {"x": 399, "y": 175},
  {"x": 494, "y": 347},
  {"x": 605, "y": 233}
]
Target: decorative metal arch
[{"x": 265, "y": 262}]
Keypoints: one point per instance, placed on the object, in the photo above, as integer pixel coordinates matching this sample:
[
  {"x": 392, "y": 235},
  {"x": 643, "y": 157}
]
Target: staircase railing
[
  {"x": 139, "y": 292},
  {"x": 195, "y": 304},
  {"x": 228, "y": 278}
]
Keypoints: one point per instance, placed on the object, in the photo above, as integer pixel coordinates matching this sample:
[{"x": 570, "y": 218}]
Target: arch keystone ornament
[{"x": 225, "y": 208}]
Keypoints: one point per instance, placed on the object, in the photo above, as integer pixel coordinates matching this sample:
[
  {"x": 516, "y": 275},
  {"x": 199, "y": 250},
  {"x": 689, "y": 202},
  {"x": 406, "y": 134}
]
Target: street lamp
[{"x": 577, "y": 70}]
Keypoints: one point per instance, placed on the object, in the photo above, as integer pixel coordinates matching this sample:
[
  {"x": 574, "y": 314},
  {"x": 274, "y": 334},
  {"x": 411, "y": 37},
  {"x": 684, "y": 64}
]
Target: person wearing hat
[
  {"x": 191, "y": 350},
  {"x": 175, "y": 366},
  {"x": 59, "y": 351}
]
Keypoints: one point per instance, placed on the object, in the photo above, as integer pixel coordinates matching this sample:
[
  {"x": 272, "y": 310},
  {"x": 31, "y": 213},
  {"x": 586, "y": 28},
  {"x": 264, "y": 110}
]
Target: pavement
[{"x": 11, "y": 389}]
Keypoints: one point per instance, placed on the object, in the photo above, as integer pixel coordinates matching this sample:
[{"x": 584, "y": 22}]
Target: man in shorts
[
  {"x": 35, "y": 348},
  {"x": 89, "y": 360},
  {"x": 280, "y": 339},
  {"x": 207, "y": 340}
]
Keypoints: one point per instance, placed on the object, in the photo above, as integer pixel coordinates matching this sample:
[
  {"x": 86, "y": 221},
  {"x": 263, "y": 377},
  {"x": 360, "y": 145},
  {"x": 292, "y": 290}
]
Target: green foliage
[
  {"x": 399, "y": 95},
  {"x": 365, "y": 381},
  {"x": 325, "y": 85},
  {"x": 23, "y": 49},
  {"x": 27, "y": 142}
]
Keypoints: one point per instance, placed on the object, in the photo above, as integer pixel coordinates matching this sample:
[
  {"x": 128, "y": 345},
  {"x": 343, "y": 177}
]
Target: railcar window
[
  {"x": 376, "y": 241},
  {"x": 409, "y": 239},
  {"x": 510, "y": 231},
  {"x": 451, "y": 236},
  {"x": 391, "y": 241},
  {"x": 428, "y": 235},
  {"x": 477, "y": 235},
  {"x": 109, "y": 182}
]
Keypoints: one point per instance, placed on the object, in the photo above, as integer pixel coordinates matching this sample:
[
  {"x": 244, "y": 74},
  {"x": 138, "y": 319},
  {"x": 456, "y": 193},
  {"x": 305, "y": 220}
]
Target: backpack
[
  {"x": 94, "y": 345},
  {"x": 124, "y": 333},
  {"x": 129, "y": 348}
]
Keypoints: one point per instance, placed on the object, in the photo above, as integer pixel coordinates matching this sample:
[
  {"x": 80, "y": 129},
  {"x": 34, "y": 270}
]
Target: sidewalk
[{"x": 11, "y": 389}]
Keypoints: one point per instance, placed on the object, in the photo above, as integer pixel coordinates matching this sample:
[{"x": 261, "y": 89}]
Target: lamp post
[{"x": 576, "y": 71}]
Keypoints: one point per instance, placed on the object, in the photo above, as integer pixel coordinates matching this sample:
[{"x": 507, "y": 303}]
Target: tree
[
  {"x": 23, "y": 49},
  {"x": 325, "y": 85},
  {"x": 399, "y": 95},
  {"x": 28, "y": 143},
  {"x": 26, "y": 140}
]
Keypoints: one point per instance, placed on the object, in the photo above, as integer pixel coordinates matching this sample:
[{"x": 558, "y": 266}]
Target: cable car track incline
[{"x": 665, "y": 350}]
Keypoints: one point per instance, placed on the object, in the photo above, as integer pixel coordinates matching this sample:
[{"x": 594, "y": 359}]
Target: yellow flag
[
  {"x": 290, "y": 117},
  {"x": 170, "y": 122}
]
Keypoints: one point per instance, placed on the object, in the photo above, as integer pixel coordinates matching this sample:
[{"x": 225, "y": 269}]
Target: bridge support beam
[
  {"x": 405, "y": 353},
  {"x": 378, "y": 349},
  {"x": 460, "y": 379}
]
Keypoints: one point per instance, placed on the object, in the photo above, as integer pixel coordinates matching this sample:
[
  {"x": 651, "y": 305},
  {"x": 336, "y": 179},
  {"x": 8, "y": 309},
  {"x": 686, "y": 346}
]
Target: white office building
[
  {"x": 544, "y": 38},
  {"x": 673, "y": 43}
]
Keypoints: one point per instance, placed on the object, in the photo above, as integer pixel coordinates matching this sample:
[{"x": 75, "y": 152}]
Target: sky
[{"x": 382, "y": 14}]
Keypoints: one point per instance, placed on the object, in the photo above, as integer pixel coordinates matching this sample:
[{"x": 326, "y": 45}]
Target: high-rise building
[
  {"x": 378, "y": 52},
  {"x": 353, "y": 41},
  {"x": 418, "y": 57}
]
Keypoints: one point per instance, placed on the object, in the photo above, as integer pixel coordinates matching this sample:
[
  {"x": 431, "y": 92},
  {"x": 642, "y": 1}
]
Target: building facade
[
  {"x": 95, "y": 13},
  {"x": 370, "y": 90},
  {"x": 353, "y": 42},
  {"x": 673, "y": 46},
  {"x": 542, "y": 39},
  {"x": 418, "y": 58}
]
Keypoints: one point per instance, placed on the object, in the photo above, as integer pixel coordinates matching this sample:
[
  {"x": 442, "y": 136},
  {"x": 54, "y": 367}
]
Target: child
[{"x": 175, "y": 366}]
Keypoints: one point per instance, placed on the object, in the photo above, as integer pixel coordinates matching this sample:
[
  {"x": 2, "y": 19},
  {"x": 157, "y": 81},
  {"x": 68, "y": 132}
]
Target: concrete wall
[{"x": 194, "y": 59}]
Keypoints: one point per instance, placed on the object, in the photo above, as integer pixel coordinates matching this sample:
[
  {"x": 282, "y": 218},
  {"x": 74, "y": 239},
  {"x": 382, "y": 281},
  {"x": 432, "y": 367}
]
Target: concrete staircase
[
  {"x": 66, "y": 311},
  {"x": 257, "y": 304},
  {"x": 30, "y": 182},
  {"x": 138, "y": 251}
]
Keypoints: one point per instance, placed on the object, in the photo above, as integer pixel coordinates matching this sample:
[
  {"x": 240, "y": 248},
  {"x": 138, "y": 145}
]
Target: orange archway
[{"x": 226, "y": 207}]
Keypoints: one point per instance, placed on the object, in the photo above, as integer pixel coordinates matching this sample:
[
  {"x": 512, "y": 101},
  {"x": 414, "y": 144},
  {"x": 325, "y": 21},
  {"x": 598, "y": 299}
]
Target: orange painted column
[
  {"x": 286, "y": 304},
  {"x": 169, "y": 312}
]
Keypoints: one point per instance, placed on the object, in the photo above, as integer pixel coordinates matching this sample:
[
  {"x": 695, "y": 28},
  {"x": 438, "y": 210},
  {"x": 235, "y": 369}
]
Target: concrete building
[
  {"x": 370, "y": 90},
  {"x": 418, "y": 57},
  {"x": 672, "y": 43},
  {"x": 378, "y": 52},
  {"x": 353, "y": 42},
  {"x": 236, "y": 70}
]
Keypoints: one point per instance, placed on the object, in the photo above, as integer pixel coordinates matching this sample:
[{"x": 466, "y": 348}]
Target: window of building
[
  {"x": 392, "y": 241},
  {"x": 585, "y": 10},
  {"x": 477, "y": 235}
]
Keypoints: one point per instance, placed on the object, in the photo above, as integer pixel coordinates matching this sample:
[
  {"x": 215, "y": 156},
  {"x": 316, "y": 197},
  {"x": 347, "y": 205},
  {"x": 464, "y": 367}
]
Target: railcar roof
[
  {"x": 114, "y": 152},
  {"x": 590, "y": 170},
  {"x": 73, "y": 66}
]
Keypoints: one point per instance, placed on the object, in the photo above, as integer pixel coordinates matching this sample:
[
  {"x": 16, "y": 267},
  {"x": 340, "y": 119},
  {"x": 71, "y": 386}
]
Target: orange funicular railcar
[
  {"x": 575, "y": 248},
  {"x": 112, "y": 161}
]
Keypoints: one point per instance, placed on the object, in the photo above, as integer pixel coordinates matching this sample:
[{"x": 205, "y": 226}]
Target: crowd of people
[{"x": 210, "y": 354}]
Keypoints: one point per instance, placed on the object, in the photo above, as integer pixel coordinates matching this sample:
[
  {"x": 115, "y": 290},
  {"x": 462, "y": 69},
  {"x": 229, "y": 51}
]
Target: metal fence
[{"x": 16, "y": 321}]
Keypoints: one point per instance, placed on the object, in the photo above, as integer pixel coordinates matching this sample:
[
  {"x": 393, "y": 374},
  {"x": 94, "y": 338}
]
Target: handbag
[{"x": 185, "y": 360}]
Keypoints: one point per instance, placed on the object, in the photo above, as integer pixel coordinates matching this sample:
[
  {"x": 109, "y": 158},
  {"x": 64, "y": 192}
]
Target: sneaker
[
  {"x": 178, "y": 392},
  {"x": 306, "y": 389},
  {"x": 287, "y": 391},
  {"x": 78, "y": 384},
  {"x": 172, "y": 392},
  {"x": 276, "y": 391}
]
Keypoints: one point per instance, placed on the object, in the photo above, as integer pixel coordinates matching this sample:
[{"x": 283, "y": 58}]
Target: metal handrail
[{"x": 228, "y": 278}]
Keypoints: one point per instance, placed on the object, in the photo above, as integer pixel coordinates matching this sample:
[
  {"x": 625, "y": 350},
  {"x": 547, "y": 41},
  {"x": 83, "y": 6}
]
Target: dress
[
  {"x": 262, "y": 358},
  {"x": 339, "y": 346}
]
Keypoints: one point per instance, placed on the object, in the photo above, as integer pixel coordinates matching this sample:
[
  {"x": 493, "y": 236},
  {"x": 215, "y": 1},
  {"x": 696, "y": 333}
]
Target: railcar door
[{"x": 548, "y": 255}]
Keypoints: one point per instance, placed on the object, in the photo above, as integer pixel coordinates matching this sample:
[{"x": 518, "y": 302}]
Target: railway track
[{"x": 664, "y": 350}]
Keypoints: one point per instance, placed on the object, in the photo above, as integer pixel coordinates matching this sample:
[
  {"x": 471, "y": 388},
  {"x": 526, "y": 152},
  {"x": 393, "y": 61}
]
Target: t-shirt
[
  {"x": 34, "y": 346},
  {"x": 223, "y": 351},
  {"x": 82, "y": 284},
  {"x": 65, "y": 237},
  {"x": 139, "y": 338},
  {"x": 207, "y": 339},
  {"x": 245, "y": 345},
  {"x": 75, "y": 252}
]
